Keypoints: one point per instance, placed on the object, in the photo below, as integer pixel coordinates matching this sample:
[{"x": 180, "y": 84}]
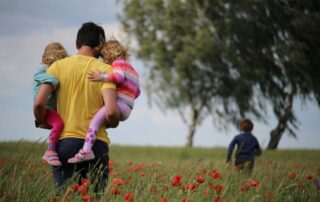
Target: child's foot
[
  {"x": 82, "y": 156},
  {"x": 51, "y": 157}
]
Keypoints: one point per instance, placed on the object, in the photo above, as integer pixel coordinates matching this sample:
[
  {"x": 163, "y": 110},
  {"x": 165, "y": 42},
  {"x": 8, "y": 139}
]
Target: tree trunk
[
  {"x": 192, "y": 127},
  {"x": 277, "y": 133}
]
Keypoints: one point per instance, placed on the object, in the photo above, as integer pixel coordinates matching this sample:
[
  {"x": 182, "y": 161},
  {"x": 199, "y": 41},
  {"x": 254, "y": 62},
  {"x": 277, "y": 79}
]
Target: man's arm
[
  {"x": 40, "y": 102},
  {"x": 112, "y": 111}
]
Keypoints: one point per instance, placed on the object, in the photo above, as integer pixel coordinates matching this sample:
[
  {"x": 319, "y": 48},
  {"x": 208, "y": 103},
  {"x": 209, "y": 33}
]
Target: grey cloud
[{"x": 26, "y": 17}]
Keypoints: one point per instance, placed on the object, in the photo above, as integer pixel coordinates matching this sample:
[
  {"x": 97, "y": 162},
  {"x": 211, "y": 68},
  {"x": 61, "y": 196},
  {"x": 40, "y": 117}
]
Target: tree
[
  {"x": 301, "y": 66},
  {"x": 267, "y": 36},
  {"x": 187, "y": 71},
  {"x": 228, "y": 58}
]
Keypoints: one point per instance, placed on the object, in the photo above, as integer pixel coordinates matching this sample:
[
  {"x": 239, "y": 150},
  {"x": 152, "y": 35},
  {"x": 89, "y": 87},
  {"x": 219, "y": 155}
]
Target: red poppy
[
  {"x": 176, "y": 180},
  {"x": 218, "y": 188},
  {"x": 244, "y": 187},
  {"x": 191, "y": 187},
  {"x": 111, "y": 162},
  {"x": 200, "y": 180},
  {"x": 292, "y": 175},
  {"x": 217, "y": 199},
  {"x": 82, "y": 189},
  {"x": 254, "y": 183},
  {"x": 318, "y": 172},
  {"x": 84, "y": 181},
  {"x": 128, "y": 197},
  {"x": 215, "y": 174},
  {"x": 142, "y": 174},
  {"x": 85, "y": 198},
  {"x": 309, "y": 176},
  {"x": 163, "y": 200},
  {"x": 117, "y": 181},
  {"x": 115, "y": 191},
  {"x": 75, "y": 186},
  {"x": 138, "y": 167}
]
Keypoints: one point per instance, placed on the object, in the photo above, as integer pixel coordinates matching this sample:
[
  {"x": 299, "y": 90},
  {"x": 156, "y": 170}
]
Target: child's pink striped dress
[{"x": 128, "y": 89}]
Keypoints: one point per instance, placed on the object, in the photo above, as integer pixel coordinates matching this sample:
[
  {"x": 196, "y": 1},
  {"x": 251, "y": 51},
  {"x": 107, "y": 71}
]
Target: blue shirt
[
  {"x": 40, "y": 77},
  {"x": 247, "y": 147}
]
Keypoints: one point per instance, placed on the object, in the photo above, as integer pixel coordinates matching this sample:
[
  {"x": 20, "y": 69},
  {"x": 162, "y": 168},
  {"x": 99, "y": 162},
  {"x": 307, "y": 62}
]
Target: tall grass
[{"x": 152, "y": 173}]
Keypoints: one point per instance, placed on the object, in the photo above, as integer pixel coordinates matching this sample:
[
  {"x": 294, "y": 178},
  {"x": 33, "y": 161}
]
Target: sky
[{"x": 28, "y": 26}]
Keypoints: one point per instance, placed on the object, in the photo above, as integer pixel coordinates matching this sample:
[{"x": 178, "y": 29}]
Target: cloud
[{"x": 19, "y": 17}]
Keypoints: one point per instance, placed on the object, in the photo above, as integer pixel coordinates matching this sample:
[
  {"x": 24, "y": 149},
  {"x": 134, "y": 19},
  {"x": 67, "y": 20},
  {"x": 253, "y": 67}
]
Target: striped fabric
[{"x": 127, "y": 80}]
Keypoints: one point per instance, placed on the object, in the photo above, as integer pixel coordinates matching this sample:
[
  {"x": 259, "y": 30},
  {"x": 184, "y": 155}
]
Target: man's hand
[
  {"x": 94, "y": 75},
  {"x": 43, "y": 125},
  {"x": 112, "y": 111}
]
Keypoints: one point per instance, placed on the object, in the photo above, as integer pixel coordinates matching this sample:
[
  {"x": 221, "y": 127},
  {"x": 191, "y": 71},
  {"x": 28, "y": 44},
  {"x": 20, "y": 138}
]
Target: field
[{"x": 166, "y": 174}]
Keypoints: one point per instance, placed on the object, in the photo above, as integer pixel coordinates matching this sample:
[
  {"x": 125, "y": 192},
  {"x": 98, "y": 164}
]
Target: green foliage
[
  {"x": 147, "y": 173},
  {"x": 228, "y": 59}
]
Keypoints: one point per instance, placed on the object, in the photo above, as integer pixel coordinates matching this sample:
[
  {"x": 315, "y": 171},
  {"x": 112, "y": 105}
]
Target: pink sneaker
[
  {"x": 51, "y": 157},
  {"x": 82, "y": 156}
]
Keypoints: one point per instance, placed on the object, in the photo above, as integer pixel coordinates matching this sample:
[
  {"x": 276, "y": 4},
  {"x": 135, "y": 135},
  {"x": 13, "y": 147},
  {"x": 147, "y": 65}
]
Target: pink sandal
[
  {"x": 51, "y": 157},
  {"x": 82, "y": 156}
]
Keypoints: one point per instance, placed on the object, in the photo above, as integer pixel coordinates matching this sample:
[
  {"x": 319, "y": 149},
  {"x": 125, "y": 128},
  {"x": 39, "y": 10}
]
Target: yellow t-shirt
[{"x": 78, "y": 99}]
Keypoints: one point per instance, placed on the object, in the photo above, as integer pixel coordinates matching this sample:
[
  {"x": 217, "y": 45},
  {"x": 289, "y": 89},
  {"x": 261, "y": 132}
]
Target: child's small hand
[{"x": 94, "y": 75}]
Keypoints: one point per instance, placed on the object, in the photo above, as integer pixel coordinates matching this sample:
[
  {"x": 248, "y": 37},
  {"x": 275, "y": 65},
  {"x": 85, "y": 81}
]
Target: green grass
[{"x": 147, "y": 173}]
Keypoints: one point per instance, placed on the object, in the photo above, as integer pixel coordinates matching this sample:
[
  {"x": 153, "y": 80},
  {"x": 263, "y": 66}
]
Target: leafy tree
[
  {"x": 228, "y": 58},
  {"x": 273, "y": 39},
  {"x": 187, "y": 71}
]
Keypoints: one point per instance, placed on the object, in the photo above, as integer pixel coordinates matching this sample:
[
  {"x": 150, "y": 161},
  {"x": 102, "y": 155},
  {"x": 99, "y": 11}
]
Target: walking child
[
  {"x": 247, "y": 147},
  {"x": 53, "y": 52},
  {"x": 127, "y": 80}
]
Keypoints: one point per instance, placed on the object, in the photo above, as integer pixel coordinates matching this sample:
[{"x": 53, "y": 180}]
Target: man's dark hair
[{"x": 90, "y": 34}]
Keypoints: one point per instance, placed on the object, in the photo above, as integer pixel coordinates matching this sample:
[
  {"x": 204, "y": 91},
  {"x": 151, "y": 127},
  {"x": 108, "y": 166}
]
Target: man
[{"x": 78, "y": 101}]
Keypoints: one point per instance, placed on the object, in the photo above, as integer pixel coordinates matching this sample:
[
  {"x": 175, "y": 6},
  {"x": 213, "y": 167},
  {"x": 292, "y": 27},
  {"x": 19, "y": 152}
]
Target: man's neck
[{"x": 87, "y": 51}]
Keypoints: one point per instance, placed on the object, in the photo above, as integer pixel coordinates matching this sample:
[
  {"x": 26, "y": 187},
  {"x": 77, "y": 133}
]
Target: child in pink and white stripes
[{"x": 127, "y": 80}]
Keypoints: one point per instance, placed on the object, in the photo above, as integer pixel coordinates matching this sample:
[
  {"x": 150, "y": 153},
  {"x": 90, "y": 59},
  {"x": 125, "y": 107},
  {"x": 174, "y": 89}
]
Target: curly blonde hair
[
  {"x": 112, "y": 50},
  {"x": 53, "y": 52}
]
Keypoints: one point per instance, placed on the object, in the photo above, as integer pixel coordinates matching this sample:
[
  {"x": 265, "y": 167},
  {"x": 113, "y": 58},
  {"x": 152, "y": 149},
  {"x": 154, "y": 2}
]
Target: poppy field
[{"x": 165, "y": 174}]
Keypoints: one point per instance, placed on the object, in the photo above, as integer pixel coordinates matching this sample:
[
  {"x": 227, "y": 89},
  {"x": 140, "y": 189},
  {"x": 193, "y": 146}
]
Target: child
[
  {"x": 127, "y": 81},
  {"x": 247, "y": 147},
  {"x": 53, "y": 52}
]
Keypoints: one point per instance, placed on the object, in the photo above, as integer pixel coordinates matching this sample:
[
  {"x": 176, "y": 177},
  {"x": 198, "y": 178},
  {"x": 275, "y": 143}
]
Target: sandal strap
[{"x": 52, "y": 157}]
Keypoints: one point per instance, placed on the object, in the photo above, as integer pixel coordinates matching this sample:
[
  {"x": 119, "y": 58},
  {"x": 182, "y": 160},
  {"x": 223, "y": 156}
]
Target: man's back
[{"x": 78, "y": 98}]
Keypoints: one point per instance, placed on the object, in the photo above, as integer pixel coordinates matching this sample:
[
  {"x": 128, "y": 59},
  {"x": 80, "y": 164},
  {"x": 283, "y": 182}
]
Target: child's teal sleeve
[{"x": 46, "y": 78}]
